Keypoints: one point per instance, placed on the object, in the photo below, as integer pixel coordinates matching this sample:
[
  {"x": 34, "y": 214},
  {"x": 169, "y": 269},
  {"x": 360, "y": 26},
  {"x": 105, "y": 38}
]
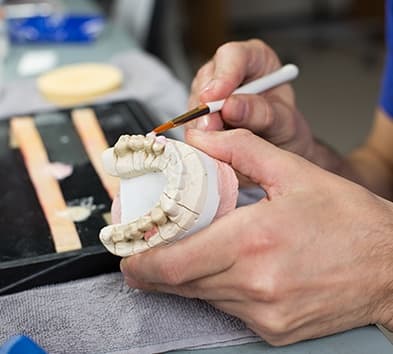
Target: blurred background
[{"x": 338, "y": 45}]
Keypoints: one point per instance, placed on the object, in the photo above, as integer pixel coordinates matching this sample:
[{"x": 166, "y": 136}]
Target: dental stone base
[{"x": 168, "y": 190}]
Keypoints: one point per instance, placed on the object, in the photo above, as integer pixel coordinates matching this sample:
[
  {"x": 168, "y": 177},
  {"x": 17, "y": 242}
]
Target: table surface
[
  {"x": 364, "y": 340},
  {"x": 113, "y": 40}
]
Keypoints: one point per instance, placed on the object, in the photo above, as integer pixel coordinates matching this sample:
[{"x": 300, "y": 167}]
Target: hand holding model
[{"x": 311, "y": 259}]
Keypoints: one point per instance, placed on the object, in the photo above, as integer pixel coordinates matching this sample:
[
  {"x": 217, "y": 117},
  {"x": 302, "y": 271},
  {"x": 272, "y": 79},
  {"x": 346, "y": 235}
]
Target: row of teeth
[
  {"x": 136, "y": 230},
  {"x": 126, "y": 239},
  {"x": 149, "y": 144},
  {"x": 136, "y": 154}
]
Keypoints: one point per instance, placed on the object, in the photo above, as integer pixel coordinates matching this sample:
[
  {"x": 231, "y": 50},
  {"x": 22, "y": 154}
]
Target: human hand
[
  {"x": 272, "y": 115},
  {"x": 311, "y": 259}
]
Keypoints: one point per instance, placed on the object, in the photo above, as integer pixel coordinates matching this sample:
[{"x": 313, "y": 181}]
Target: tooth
[
  {"x": 106, "y": 234},
  {"x": 124, "y": 165},
  {"x": 109, "y": 161},
  {"x": 121, "y": 147},
  {"x": 158, "y": 147},
  {"x": 148, "y": 161},
  {"x": 124, "y": 249},
  {"x": 132, "y": 232},
  {"x": 162, "y": 163},
  {"x": 131, "y": 142},
  {"x": 169, "y": 205},
  {"x": 138, "y": 142},
  {"x": 155, "y": 165},
  {"x": 117, "y": 236},
  {"x": 185, "y": 219},
  {"x": 145, "y": 223},
  {"x": 148, "y": 143},
  {"x": 156, "y": 240},
  {"x": 139, "y": 161},
  {"x": 158, "y": 216},
  {"x": 172, "y": 155},
  {"x": 170, "y": 231},
  {"x": 140, "y": 246}
]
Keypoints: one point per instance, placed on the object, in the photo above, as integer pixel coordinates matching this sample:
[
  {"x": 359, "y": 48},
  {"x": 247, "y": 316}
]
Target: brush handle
[{"x": 286, "y": 73}]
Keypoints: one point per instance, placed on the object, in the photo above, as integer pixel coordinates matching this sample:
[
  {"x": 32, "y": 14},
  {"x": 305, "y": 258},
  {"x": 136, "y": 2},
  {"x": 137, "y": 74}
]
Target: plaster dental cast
[{"x": 168, "y": 190}]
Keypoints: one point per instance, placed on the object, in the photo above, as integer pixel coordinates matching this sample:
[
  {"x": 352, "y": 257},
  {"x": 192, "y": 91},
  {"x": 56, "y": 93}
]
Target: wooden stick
[
  {"x": 94, "y": 141},
  {"x": 64, "y": 234}
]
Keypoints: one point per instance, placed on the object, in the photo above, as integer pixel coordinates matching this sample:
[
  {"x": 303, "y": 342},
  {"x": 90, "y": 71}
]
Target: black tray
[{"x": 27, "y": 255}]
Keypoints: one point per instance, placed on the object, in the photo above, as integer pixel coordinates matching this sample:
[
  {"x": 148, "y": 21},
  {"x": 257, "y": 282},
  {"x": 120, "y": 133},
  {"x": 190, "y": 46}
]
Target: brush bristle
[{"x": 163, "y": 127}]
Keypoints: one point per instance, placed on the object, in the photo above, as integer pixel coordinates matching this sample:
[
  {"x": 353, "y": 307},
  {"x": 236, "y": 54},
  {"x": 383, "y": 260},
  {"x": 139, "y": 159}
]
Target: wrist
[
  {"x": 324, "y": 156},
  {"x": 384, "y": 308}
]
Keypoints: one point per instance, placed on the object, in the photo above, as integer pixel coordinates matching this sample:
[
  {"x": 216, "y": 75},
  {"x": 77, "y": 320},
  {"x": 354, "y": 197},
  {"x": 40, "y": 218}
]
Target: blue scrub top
[{"x": 386, "y": 98}]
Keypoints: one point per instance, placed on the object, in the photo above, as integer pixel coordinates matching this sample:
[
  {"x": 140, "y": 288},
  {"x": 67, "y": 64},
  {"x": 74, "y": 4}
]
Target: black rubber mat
[{"x": 27, "y": 255}]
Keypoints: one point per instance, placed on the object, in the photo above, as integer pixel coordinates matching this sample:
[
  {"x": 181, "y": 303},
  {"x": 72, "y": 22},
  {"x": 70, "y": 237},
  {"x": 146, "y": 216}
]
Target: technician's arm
[{"x": 371, "y": 164}]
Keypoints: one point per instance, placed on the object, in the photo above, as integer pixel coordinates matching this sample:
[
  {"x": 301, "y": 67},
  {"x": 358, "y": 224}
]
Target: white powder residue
[
  {"x": 60, "y": 170},
  {"x": 75, "y": 213},
  {"x": 80, "y": 209}
]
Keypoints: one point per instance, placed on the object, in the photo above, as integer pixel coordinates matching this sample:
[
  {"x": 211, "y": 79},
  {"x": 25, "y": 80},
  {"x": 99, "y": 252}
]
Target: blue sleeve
[{"x": 386, "y": 98}]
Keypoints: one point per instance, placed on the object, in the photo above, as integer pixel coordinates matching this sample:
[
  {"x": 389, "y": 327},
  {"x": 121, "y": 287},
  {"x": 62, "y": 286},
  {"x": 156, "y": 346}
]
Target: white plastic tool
[{"x": 286, "y": 73}]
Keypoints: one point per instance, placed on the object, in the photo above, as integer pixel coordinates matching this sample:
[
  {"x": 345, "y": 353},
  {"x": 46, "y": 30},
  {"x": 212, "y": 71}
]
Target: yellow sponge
[{"x": 79, "y": 83}]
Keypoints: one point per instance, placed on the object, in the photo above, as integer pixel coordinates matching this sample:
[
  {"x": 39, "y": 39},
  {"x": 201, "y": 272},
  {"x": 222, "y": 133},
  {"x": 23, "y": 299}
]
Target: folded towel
[{"x": 103, "y": 315}]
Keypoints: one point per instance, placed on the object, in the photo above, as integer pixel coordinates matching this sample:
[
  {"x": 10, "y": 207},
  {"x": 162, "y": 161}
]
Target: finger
[
  {"x": 255, "y": 158},
  {"x": 206, "y": 253},
  {"x": 223, "y": 286},
  {"x": 235, "y": 63},
  {"x": 194, "y": 290},
  {"x": 200, "y": 83},
  {"x": 256, "y": 113},
  {"x": 209, "y": 122}
]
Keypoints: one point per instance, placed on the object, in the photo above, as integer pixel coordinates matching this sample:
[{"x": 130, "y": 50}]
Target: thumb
[{"x": 253, "y": 157}]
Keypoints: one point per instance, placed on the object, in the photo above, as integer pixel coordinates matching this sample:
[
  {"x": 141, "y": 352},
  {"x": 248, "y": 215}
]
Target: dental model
[{"x": 168, "y": 190}]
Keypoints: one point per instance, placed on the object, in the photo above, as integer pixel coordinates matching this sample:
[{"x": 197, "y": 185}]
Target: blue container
[{"x": 58, "y": 28}]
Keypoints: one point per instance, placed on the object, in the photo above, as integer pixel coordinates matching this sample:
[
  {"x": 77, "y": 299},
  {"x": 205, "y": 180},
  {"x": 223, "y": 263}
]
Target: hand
[
  {"x": 272, "y": 114},
  {"x": 311, "y": 259}
]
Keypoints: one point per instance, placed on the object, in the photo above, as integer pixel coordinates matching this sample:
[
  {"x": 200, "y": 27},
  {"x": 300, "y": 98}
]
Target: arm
[{"x": 371, "y": 164}]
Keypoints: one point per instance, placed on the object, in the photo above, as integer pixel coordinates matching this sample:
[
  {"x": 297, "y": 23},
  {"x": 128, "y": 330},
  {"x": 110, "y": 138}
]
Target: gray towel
[{"x": 102, "y": 315}]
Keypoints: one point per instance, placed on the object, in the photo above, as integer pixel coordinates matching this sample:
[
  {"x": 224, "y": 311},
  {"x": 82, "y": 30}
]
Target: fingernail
[
  {"x": 203, "y": 122},
  {"x": 194, "y": 131},
  {"x": 210, "y": 85},
  {"x": 131, "y": 282},
  {"x": 122, "y": 265}
]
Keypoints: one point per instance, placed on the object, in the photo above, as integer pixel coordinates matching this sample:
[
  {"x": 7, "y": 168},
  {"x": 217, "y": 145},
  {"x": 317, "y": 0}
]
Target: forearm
[
  {"x": 370, "y": 165},
  {"x": 363, "y": 166}
]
